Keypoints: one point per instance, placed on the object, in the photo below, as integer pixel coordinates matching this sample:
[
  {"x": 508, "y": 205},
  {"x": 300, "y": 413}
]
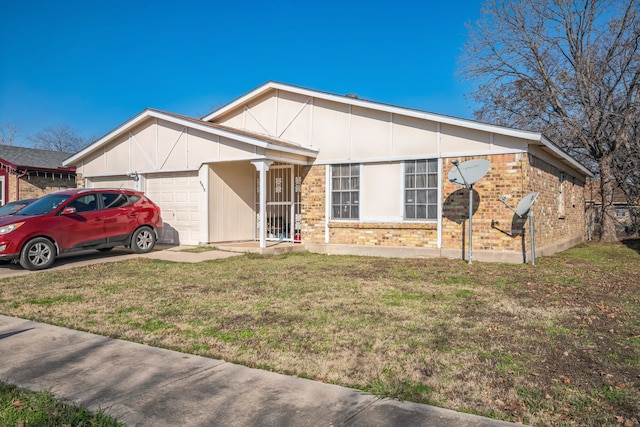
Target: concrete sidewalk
[{"x": 147, "y": 386}]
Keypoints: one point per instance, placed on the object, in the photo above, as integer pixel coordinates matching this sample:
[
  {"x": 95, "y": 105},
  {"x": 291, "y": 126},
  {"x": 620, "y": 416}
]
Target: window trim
[
  {"x": 331, "y": 191},
  {"x": 426, "y": 189}
]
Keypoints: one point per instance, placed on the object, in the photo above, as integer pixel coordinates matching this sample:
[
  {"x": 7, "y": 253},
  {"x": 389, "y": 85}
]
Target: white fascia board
[{"x": 208, "y": 129}]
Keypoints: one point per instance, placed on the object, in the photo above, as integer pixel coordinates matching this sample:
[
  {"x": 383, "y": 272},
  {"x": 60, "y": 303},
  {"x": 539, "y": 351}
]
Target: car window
[
  {"x": 44, "y": 205},
  {"x": 118, "y": 200},
  {"x": 86, "y": 203}
]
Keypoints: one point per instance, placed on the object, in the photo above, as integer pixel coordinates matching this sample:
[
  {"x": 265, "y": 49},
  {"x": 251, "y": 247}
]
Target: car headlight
[{"x": 9, "y": 228}]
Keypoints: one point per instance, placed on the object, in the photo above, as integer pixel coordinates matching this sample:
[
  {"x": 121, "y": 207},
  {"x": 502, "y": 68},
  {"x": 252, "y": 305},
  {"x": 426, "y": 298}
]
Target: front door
[{"x": 283, "y": 203}]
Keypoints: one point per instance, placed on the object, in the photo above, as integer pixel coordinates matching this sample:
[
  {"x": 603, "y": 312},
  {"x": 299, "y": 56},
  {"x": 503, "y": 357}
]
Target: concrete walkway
[{"x": 147, "y": 386}]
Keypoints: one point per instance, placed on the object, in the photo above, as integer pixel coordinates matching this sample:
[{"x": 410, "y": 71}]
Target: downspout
[{"x": 18, "y": 177}]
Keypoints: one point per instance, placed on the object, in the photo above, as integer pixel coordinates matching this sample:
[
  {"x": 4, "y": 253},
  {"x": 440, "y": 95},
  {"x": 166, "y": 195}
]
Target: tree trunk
[{"x": 607, "y": 210}]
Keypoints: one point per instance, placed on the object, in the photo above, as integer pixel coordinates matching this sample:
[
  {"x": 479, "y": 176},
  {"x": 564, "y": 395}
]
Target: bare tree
[
  {"x": 627, "y": 172},
  {"x": 61, "y": 138},
  {"x": 567, "y": 68},
  {"x": 8, "y": 134}
]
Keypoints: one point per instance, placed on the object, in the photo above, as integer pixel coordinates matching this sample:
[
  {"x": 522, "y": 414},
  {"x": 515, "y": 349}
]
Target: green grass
[
  {"x": 21, "y": 407},
  {"x": 56, "y": 300}
]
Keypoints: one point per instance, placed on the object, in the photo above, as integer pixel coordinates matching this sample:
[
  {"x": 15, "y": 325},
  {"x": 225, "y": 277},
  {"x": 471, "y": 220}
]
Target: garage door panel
[{"x": 178, "y": 198}]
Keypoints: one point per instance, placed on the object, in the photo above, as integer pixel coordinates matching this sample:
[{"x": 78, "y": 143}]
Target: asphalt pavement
[{"x": 147, "y": 386}]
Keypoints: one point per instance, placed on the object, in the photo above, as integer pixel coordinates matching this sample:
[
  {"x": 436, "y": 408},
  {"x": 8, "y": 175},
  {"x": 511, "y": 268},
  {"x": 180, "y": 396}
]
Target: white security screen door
[{"x": 283, "y": 203}]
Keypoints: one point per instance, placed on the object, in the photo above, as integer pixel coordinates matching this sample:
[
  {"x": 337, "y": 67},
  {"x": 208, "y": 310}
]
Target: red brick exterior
[{"x": 34, "y": 186}]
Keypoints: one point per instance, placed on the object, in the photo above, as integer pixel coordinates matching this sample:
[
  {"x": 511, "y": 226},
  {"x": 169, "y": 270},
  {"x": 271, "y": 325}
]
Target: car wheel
[
  {"x": 37, "y": 254},
  {"x": 143, "y": 240}
]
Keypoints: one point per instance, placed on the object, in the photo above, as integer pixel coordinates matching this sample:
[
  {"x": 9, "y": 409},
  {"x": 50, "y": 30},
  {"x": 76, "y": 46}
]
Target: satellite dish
[
  {"x": 469, "y": 172},
  {"x": 525, "y": 204},
  {"x": 523, "y": 209}
]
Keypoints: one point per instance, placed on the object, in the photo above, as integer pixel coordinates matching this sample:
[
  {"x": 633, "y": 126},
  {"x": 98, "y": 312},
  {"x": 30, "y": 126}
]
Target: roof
[
  {"x": 534, "y": 137},
  {"x": 211, "y": 128},
  {"x": 32, "y": 158}
]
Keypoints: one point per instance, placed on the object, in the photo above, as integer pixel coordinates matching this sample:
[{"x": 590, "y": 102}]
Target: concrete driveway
[
  {"x": 82, "y": 258},
  {"x": 71, "y": 260}
]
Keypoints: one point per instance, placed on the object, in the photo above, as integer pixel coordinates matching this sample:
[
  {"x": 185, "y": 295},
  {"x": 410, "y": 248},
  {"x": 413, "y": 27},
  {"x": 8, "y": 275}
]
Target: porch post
[{"x": 262, "y": 166}]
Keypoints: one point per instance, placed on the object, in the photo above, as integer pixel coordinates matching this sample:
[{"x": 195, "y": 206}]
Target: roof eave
[{"x": 544, "y": 141}]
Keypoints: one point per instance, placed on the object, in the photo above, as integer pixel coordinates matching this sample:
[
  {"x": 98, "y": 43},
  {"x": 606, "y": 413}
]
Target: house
[
  {"x": 27, "y": 173},
  {"x": 626, "y": 213},
  {"x": 341, "y": 175}
]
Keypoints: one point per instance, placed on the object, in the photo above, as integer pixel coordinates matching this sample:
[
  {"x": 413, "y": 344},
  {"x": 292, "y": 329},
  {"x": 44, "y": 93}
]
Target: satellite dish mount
[
  {"x": 467, "y": 174},
  {"x": 524, "y": 209}
]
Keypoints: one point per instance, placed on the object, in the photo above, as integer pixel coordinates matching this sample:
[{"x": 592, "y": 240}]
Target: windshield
[
  {"x": 44, "y": 205},
  {"x": 8, "y": 209}
]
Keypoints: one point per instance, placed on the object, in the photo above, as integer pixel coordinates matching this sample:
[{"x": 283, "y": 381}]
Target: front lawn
[
  {"x": 558, "y": 343},
  {"x": 20, "y": 407}
]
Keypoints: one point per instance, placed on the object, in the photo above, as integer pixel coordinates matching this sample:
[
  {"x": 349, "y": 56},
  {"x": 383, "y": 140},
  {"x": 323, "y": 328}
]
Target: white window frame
[
  {"x": 435, "y": 190},
  {"x": 561, "y": 180},
  {"x": 333, "y": 191}
]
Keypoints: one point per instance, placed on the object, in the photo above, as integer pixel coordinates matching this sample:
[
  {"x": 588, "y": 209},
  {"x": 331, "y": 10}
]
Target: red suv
[{"x": 79, "y": 219}]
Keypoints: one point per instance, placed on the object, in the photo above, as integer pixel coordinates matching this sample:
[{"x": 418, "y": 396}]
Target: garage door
[
  {"x": 177, "y": 195},
  {"x": 111, "y": 181}
]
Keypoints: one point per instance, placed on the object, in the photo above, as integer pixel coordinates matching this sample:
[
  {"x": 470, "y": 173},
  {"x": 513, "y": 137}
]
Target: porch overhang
[{"x": 276, "y": 149}]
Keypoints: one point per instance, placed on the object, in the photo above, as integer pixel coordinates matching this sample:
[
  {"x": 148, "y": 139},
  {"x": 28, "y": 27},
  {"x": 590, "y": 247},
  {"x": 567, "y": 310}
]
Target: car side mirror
[{"x": 69, "y": 210}]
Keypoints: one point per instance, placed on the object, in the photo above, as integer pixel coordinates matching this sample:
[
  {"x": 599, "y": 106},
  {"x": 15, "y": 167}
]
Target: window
[
  {"x": 421, "y": 189},
  {"x": 86, "y": 203},
  {"x": 621, "y": 212},
  {"x": 118, "y": 200},
  {"x": 345, "y": 191},
  {"x": 561, "y": 195}
]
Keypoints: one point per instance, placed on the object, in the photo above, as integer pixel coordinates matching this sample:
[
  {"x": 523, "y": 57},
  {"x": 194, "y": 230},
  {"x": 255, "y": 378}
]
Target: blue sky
[{"x": 93, "y": 65}]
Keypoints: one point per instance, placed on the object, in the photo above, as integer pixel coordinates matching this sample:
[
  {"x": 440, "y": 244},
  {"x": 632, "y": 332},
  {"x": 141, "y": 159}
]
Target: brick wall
[
  {"x": 312, "y": 206},
  {"x": 553, "y": 223},
  {"x": 495, "y": 227},
  {"x": 31, "y": 187}
]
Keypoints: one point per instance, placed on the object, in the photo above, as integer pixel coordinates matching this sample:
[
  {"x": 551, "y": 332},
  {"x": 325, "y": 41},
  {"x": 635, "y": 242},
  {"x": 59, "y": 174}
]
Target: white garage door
[
  {"x": 111, "y": 181},
  {"x": 177, "y": 195}
]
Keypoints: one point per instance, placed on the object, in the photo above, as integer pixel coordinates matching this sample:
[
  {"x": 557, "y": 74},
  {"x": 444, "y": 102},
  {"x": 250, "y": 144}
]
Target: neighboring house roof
[
  {"x": 534, "y": 137},
  {"x": 211, "y": 128},
  {"x": 32, "y": 158}
]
